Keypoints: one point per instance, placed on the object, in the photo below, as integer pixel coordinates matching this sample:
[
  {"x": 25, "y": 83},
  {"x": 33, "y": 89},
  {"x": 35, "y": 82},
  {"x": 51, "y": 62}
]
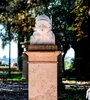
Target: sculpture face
[
  {"x": 42, "y": 32},
  {"x": 42, "y": 27}
]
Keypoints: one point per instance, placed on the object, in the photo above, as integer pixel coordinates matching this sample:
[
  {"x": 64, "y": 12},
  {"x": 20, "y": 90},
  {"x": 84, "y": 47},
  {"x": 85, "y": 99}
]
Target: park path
[{"x": 13, "y": 91}]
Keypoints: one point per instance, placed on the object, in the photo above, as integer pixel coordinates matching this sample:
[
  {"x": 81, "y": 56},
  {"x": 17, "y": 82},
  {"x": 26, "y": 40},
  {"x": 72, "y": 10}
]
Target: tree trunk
[
  {"x": 20, "y": 51},
  {"x": 25, "y": 66},
  {"x": 82, "y": 59}
]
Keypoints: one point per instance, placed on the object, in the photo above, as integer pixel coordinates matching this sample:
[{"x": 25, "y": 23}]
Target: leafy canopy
[{"x": 18, "y": 18}]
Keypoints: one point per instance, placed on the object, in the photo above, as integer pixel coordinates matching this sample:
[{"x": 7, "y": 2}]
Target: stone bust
[{"x": 43, "y": 31}]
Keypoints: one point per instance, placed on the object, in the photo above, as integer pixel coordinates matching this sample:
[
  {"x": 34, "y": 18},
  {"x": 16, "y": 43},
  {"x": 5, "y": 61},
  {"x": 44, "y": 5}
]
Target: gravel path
[{"x": 13, "y": 91}]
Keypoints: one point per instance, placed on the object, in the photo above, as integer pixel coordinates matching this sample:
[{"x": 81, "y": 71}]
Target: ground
[
  {"x": 19, "y": 90},
  {"x": 74, "y": 90},
  {"x": 13, "y": 91}
]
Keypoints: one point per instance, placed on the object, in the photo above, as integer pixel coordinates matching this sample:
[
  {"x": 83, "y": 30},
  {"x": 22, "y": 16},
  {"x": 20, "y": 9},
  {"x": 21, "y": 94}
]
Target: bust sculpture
[{"x": 43, "y": 31}]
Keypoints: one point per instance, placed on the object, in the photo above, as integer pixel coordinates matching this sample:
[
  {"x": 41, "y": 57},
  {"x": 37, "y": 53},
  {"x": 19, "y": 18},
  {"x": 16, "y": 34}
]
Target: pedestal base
[{"x": 42, "y": 75}]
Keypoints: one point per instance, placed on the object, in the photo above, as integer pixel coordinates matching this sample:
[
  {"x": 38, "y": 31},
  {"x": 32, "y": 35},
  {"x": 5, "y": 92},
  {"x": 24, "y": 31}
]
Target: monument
[{"x": 42, "y": 61}]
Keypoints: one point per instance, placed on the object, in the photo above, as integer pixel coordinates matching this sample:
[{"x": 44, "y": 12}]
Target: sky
[
  {"x": 5, "y": 52},
  {"x": 70, "y": 53}
]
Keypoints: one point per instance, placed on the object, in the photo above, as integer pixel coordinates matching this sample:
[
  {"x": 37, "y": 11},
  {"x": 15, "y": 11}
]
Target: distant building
[{"x": 5, "y": 61}]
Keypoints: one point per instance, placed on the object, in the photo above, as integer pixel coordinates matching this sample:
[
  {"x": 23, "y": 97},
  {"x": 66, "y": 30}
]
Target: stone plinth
[
  {"x": 41, "y": 47},
  {"x": 42, "y": 75}
]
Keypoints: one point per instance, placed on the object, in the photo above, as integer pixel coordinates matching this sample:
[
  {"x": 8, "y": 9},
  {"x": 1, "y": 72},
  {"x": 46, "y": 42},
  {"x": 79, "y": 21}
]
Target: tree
[
  {"x": 19, "y": 20},
  {"x": 21, "y": 14},
  {"x": 70, "y": 20},
  {"x": 81, "y": 28},
  {"x": 81, "y": 18}
]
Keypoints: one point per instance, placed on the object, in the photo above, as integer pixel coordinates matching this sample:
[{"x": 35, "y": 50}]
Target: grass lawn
[{"x": 72, "y": 95}]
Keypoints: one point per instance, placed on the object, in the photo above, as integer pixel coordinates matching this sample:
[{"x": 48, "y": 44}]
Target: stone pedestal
[
  {"x": 24, "y": 67},
  {"x": 42, "y": 74}
]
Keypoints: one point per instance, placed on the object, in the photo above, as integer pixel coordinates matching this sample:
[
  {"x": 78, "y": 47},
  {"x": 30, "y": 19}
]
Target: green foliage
[
  {"x": 21, "y": 15},
  {"x": 15, "y": 77},
  {"x": 68, "y": 64},
  {"x": 67, "y": 17},
  {"x": 71, "y": 29},
  {"x": 18, "y": 17},
  {"x": 80, "y": 12}
]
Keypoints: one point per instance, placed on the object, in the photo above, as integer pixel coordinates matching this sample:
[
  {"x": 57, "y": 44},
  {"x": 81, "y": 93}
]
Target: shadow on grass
[{"x": 72, "y": 95}]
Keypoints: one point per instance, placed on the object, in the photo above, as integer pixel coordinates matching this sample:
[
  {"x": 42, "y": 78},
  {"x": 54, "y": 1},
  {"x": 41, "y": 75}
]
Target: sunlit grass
[{"x": 16, "y": 77}]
